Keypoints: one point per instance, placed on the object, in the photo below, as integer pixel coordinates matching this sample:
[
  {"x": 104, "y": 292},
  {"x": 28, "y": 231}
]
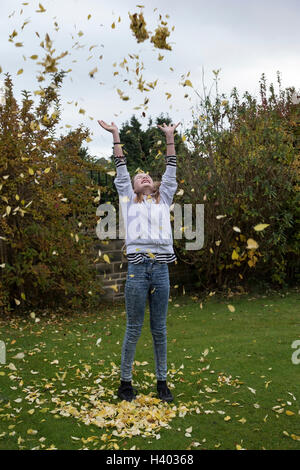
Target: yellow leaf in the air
[
  {"x": 47, "y": 170},
  {"x": 20, "y": 71},
  {"x": 30, "y": 171},
  {"x": 106, "y": 258},
  {"x": 231, "y": 308},
  {"x": 188, "y": 83},
  {"x": 41, "y": 10},
  {"x": 92, "y": 72},
  {"x": 251, "y": 244},
  {"x": 260, "y": 227},
  {"x": 289, "y": 413},
  {"x": 234, "y": 255}
]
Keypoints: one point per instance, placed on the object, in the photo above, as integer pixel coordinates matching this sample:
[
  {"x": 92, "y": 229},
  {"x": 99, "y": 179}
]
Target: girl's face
[{"x": 143, "y": 183}]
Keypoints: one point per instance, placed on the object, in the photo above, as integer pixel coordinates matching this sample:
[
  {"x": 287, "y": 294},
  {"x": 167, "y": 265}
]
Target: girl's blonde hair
[{"x": 140, "y": 196}]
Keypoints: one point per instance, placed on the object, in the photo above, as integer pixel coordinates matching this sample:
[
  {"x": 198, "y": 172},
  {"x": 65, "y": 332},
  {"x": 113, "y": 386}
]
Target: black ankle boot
[
  {"x": 126, "y": 391},
  {"x": 163, "y": 391}
]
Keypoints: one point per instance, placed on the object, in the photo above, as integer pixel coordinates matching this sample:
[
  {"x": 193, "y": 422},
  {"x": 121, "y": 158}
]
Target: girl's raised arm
[
  {"x": 168, "y": 182},
  {"x": 122, "y": 180}
]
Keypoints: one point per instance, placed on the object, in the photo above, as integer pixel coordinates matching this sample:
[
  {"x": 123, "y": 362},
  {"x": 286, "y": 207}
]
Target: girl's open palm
[
  {"x": 168, "y": 130},
  {"x": 110, "y": 128}
]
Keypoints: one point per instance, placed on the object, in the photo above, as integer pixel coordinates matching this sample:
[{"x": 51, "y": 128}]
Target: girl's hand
[
  {"x": 168, "y": 130},
  {"x": 110, "y": 128}
]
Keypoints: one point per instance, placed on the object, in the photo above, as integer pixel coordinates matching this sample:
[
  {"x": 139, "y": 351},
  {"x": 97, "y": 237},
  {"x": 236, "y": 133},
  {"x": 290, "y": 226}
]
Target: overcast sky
[{"x": 243, "y": 38}]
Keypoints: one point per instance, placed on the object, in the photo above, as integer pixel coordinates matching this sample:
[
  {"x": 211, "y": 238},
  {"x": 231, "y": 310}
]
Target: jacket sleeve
[
  {"x": 123, "y": 180},
  {"x": 169, "y": 184}
]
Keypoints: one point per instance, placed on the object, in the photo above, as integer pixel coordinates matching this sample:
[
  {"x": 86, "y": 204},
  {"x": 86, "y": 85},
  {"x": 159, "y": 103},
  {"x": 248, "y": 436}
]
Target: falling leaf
[
  {"x": 106, "y": 258},
  {"x": 231, "y": 308},
  {"x": 92, "y": 72},
  {"x": 114, "y": 287},
  {"x": 251, "y": 244},
  {"x": 188, "y": 83},
  {"x": 159, "y": 38},
  {"x": 260, "y": 227},
  {"x": 138, "y": 27}
]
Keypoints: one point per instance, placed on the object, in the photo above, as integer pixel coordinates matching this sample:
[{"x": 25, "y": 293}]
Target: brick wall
[{"x": 112, "y": 276}]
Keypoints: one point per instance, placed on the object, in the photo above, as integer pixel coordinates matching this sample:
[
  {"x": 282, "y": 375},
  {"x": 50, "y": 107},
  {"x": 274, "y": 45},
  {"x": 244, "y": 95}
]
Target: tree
[
  {"x": 48, "y": 205},
  {"x": 243, "y": 168},
  {"x": 146, "y": 149}
]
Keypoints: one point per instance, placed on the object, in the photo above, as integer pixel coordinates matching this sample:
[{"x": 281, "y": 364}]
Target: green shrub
[
  {"x": 244, "y": 165},
  {"x": 48, "y": 205}
]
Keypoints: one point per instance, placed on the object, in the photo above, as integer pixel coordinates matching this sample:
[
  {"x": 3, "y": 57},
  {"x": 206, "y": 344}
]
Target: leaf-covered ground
[{"x": 230, "y": 370}]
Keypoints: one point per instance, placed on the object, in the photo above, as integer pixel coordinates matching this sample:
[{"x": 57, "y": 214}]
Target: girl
[{"x": 148, "y": 252}]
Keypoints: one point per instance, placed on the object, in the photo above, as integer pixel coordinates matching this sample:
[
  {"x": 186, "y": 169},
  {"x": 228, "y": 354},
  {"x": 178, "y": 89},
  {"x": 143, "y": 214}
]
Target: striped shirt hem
[{"x": 137, "y": 258}]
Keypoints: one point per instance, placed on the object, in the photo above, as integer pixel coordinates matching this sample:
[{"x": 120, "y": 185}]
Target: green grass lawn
[{"x": 231, "y": 373}]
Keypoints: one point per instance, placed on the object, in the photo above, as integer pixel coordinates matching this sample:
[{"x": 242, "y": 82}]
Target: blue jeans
[{"x": 149, "y": 279}]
